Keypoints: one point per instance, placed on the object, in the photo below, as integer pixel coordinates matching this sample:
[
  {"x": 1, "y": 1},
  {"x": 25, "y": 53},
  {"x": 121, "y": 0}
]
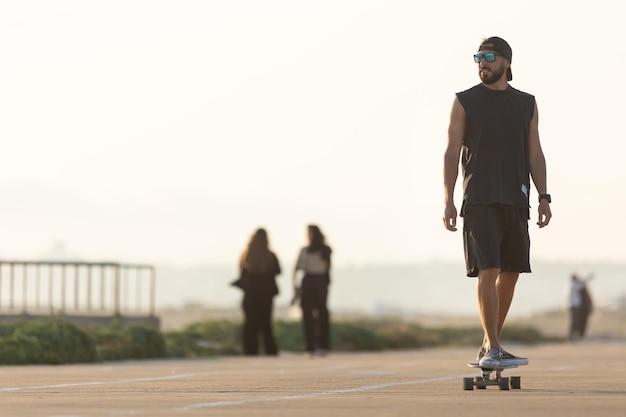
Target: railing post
[
  {"x": 152, "y": 290},
  {"x": 116, "y": 290},
  {"x": 102, "y": 285},
  {"x": 24, "y": 289},
  {"x": 88, "y": 287},
  {"x": 139, "y": 274},
  {"x": 63, "y": 286},
  {"x": 50, "y": 288},
  {"x": 38, "y": 287},
  {"x": 11, "y": 289},
  {"x": 1, "y": 284},
  {"x": 76, "y": 286},
  {"x": 125, "y": 277}
]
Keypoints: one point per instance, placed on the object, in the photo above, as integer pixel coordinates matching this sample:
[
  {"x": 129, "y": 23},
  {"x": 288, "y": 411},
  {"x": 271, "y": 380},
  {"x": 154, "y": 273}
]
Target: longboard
[{"x": 483, "y": 381}]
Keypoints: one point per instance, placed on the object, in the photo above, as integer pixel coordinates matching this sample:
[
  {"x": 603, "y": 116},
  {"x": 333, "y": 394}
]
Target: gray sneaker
[
  {"x": 491, "y": 359},
  {"x": 481, "y": 353},
  {"x": 507, "y": 359}
]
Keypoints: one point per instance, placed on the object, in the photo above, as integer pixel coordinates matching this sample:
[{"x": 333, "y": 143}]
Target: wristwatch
[{"x": 545, "y": 197}]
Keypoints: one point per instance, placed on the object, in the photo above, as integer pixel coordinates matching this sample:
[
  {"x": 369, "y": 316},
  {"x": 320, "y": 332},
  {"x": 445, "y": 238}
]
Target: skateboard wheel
[
  {"x": 516, "y": 382},
  {"x": 504, "y": 383},
  {"x": 468, "y": 384}
]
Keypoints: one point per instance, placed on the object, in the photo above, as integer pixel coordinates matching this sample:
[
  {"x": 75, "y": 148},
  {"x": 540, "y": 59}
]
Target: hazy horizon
[
  {"x": 435, "y": 287},
  {"x": 426, "y": 287}
]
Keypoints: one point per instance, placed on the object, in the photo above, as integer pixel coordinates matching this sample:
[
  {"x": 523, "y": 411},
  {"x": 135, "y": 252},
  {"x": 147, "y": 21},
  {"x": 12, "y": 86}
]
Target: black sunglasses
[{"x": 489, "y": 57}]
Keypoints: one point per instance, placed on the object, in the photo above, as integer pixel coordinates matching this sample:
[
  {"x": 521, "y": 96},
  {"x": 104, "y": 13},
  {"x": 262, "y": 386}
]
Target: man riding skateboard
[{"x": 494, "y": 132}]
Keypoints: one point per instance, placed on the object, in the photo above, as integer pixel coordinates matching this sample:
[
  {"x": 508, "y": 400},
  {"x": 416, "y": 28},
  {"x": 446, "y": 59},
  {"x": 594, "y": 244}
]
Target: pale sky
[{"x": 167, "y": 131}]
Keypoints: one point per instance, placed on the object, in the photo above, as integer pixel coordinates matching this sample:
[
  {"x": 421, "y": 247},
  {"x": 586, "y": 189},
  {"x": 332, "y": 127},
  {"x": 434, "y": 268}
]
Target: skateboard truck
[{"x": 483, "y": 381}]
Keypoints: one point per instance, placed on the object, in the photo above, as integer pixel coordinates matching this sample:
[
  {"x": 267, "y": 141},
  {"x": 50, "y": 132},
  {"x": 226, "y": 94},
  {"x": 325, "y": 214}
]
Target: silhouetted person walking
[
  {"x": 580, "y": 307},
  {"x": 314, "y": 262},
  {"x": 587, "y": 307},
  {"x": 259, "y": 267}
]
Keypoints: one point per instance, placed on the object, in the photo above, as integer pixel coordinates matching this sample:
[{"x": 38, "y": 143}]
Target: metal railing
[{"x": 67, "y": 287}]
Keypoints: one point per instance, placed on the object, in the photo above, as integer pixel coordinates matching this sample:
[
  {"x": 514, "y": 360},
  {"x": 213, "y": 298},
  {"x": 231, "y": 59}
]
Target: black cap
[{"x": 502, "y": 47}]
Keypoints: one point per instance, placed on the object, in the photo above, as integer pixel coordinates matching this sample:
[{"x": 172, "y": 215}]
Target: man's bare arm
[
  {"x": 538, "y": 171},
  {"x": 456, "y": 131}
]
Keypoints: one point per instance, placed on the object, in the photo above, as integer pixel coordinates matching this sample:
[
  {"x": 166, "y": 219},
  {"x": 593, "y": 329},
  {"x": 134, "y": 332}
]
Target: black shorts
[{"x": 496, "y": 236}]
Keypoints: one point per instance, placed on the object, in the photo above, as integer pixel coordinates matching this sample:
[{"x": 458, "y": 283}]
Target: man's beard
[{"x": 492, "y": 76}]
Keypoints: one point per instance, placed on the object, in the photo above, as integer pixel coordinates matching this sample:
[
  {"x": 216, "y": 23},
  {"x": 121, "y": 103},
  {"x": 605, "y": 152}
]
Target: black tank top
[{"x": 495, "y": 146}]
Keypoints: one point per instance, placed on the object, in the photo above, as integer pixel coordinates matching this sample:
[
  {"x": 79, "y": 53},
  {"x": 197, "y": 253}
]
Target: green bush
[
  {"x": 207, "y": 338},
  {"x": 464, "y": 336},
  {"x": 522, "y": 334},
  {"x": 224, "y": 337},
  {"x": 289, "y": 335},
  {"x": 351, "y": 337},
  {"x": 399, "y": 334},
  {"x": 45, "y": 341},
  {"x": 56, "y": 341},
  {"x": 128, "y": 342}
]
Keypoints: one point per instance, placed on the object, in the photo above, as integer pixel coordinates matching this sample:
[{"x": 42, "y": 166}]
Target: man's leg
[
  {"x": 487, "y": 294},
  {"x": 505, "y": 286}
]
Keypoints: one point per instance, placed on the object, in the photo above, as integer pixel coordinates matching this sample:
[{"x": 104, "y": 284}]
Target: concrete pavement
[{"x": 562, "y": 380}]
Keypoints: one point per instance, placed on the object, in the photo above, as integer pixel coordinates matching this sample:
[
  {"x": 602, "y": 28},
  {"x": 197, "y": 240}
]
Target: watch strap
[{"x": 545, "y": 197}]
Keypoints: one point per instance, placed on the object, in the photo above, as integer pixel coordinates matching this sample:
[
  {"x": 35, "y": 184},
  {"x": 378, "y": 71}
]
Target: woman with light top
[{"x": 314, "y": 264}]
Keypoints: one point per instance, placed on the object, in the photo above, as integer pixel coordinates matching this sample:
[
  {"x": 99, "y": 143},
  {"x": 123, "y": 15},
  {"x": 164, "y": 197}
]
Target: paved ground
[{"x": 586, "y": 379}]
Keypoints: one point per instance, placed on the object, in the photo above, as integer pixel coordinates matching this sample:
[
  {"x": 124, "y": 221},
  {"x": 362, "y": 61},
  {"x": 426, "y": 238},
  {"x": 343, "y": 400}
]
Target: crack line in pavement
[
  {"x": 316, "y": 394},
  {"x": 82, "y": 384}
]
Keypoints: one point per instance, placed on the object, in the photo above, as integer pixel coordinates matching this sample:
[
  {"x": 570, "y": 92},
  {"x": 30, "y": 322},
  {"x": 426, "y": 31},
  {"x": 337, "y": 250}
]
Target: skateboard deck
[
  {"x": 476, "y": 365},
  {"x": 483, "y": 381}
]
